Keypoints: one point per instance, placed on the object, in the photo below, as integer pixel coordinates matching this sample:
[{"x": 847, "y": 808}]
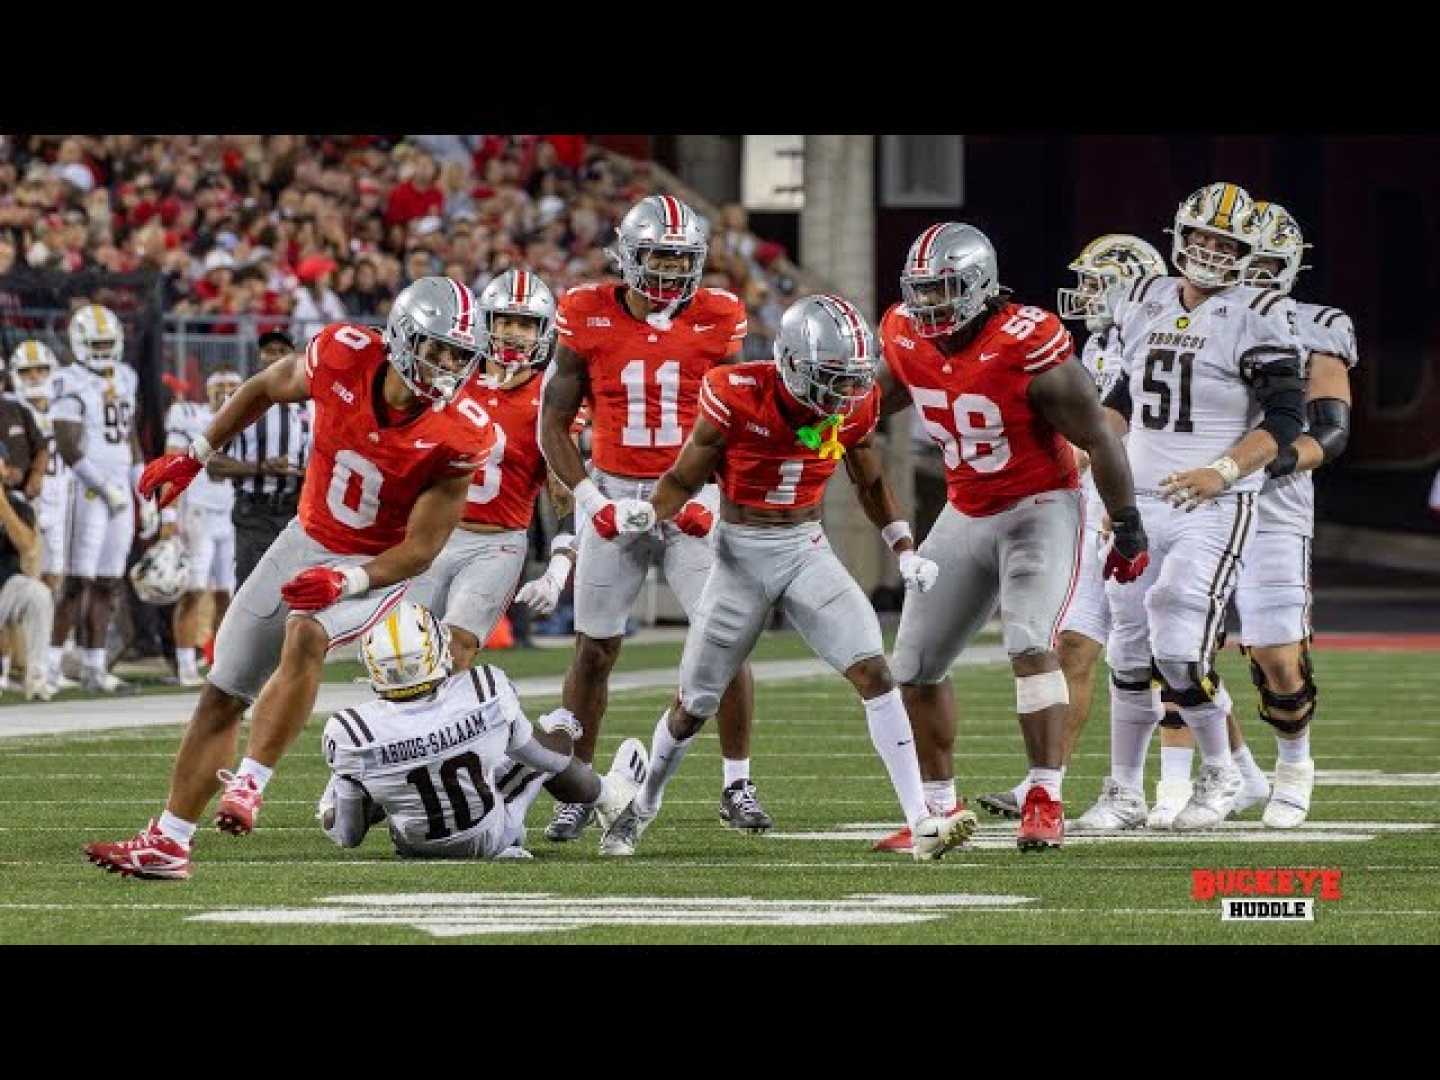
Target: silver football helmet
[
  {"x": 950, "y": 274},
  {"x": 1282, "y": 242},
  {"x": 162, "y": 573},
  {"x": 32, "y": 365},
  {"x": 97, "y": 339},
  {"x": 1107, "y": 261},
  {"x": 1222, "y": 209},
  {"x": 427, "y": 316},
  {"x": 826, "y": 354},
  {"x": 522, "y": 293},
  {"x": 660, "y": 247}
]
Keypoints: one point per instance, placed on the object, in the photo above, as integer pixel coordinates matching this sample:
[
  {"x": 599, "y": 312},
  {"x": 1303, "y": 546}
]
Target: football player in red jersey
[
  {"x": 474, "y": 578},
  {"x": 395, "y": 445},
  {"x": 638, "y": 351},
  {"x": 773, "y": 434},
  {"x": 991, "y": 382}
]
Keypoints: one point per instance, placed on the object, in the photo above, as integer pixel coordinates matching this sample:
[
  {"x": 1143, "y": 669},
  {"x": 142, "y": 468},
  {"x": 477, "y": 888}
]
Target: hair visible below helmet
[
  {"x": 436, "y": 308},
  {"x": 1224, "y": 209},
  {"x": 961, "y": 261},
  {"x": 97, "y": 338},
  {"x": 517, "y": 292},
  {"x": 407, "y": 653},
  {"x": 661, "y": 224},
  {"x": 1280, "y": 238},
  {"x": 221, "y": 384},
  {"x": 161, "y": 574},
  {"x": 1106, "y": 262},
  {"x": 826, "y": 354}
]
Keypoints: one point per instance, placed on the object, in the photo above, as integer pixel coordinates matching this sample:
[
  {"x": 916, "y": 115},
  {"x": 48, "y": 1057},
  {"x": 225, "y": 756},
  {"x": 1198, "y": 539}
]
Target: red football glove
[
  {"x": 695, "y": 519},
  {"x": 1127, "y": 556},
  {"x": 313, "y": 589},
  {"x": 177, "y": 470},
  {"x": 604, "y": 522}
]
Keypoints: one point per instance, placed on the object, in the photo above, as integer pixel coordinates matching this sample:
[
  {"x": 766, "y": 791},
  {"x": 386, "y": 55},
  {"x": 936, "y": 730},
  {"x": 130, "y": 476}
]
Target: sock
[
  {"x": 261, "y": 773},
  {"x": 177, "y": 829},
  {"x": 1175, "y": 762},
  {"x": 5, "y": 668},
  {"x": 57, "y": 653},
  {"x": 895, "y": 743},
  {"x": 1245, "y": 762},
  {"x": 1049, "y": 779},
  {"x": 666, "y": 753},
  {"x": 94, "y": 659},
  {"x": 939, "y": 795},
  {"x": 736, "y": 770},
  {"x": 1134, "y": 715},
  {"x": 185, "y": 662},
  {"x": 1294, "y": 751},
  {"x": 1207, "y": 723}
]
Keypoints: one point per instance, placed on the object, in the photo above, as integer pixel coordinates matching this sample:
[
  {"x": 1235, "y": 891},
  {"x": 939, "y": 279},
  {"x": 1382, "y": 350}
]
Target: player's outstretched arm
[
  {"x": 282, "y": 381},
  {"x": 1327, "y": 408},
  {"x": 1065, "y": 396},
  {"x": 698, "y": 460},
  {"x": 566, "y": 384}
]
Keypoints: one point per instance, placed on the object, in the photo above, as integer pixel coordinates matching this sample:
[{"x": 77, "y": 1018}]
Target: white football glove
[
  {"x": 115, "y": 498},
  {"x": 542, "y": 594},
  {"x": 149, "y": 519},
  {"x": 634, "y": 516},
  {"x": 917, "y": 573}
]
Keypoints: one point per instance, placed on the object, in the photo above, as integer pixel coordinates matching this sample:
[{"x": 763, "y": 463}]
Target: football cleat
[
  {"x": 741, "y": 809},
  {"x": 897, "y": 841},
  {"x": 1254, "y": 790},
  {"x": 622, "y": 836},
  {"x": 933, "y": 836},
  {"x": 103, "y": 682},
  {"x": 514, "y": 851},
  {"x": 37, "y": 688},
  {"x": 1001, "y": 804},
  {"x": 627, "y": 773},
  {"x": 150, "y": 855},
  {"x": 1290, "y": 802},
  {"x": 239, "y": 804},
  {"x": 1042, "y": 821},
  {"x": 1213, "y": 799},
  {"x": 569, "y": 822},
  {"x": 1170, "y": 798},
  {"x": 1117, "y": 808}
]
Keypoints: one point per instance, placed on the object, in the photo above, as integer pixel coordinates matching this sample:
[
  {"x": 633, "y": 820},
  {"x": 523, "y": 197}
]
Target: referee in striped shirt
[{"x": 267, "y": 464}]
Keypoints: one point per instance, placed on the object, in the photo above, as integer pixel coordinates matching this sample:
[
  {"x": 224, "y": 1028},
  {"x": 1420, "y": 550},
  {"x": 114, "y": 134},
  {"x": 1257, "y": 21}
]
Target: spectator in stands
[
  {"x": 366, "y": 296},
  {"x": 417, "y": 195},
  {"x": 316, "y": 306}
]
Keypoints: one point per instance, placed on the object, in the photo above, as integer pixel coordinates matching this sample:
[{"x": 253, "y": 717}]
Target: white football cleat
[
  {"x": 1117, "y": 808},
  {"x": 1170, "y": 798},
  {"x": 933, "y": 836},
  {"x": 1213, "y": 799},
  {"x": 622, "y": 836},
  {"x": 622, "y": 782},
  {"x": 1290, "y": 802},
  {"x": 514, "y": 851},
  {"x": 103, "y": 682},
  {"x": 1254, "y": 790}
]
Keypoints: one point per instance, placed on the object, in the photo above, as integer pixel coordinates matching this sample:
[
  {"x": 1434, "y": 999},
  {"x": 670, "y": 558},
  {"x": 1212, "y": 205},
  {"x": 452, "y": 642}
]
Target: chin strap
[{"x": 828, "y": 430}]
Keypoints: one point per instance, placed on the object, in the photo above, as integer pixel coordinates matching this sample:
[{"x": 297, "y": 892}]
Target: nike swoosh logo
[
  {"x": 907, "y": 742},
  {"x": 700, "y": 328},
  {"x": 988, "y": 356},
  {"x": 421, "y": 444}
]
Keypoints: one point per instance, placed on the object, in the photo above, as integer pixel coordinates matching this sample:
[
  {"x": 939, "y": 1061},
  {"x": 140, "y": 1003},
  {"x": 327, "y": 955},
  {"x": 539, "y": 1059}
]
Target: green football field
[{"x": 1376, "y": 818}]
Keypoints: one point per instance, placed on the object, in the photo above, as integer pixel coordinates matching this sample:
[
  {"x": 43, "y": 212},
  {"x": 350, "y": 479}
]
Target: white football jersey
[
  {"x": 1288, "y": 504},
  {"x": 1101, "y": 358},
  {"x": 55, "y": 492},
  {"x": 105, "y": 408},
  {"x": 1190, "y": 373},
  {"x": 431, "y": 763},
  {"x": 183, "y": 422}
]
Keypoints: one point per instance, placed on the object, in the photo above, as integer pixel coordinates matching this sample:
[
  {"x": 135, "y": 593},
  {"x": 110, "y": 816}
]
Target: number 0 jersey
[
  {"x": 505, "y": 488},
  {"x": 644, "y": 380},
  {"x": 184, "y": 421},
  {"x": 1190, "y": 372},
  {"x": 105, "y": 409},
  {"x": 364, "y": 477},
  {"x": 975, "y": 404}
]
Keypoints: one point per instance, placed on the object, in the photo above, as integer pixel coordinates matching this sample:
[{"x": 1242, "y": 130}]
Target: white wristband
[
  {"x": 1227, "y": 468},
  {"x": 895, "y": 532},
  {"x": 200, "y": 449},
  {"x": 562, "y": 542},
  {"x": 588, "y": 497},
  {"x": 357, "y": 581},
  {"x": 559, "y": 569}
]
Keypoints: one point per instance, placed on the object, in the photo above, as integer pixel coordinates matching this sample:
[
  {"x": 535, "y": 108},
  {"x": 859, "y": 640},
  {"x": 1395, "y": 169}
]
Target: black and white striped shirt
[{"x": 283, "y": 431}]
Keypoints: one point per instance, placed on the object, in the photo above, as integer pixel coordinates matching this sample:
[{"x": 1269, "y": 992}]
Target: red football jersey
[
  {"x": 644, "y": 381},
  {"x": 997, "y": 448},
  {"x": 765, "y": 465},
  {"x": 505, "y": 487},
  {"x": 363, "y": 477}
]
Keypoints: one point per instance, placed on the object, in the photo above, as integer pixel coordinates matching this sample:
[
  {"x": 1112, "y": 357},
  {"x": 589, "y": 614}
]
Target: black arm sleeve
[
  {"x": 1329, "y": 425},
  {"x": 1118, "y": 397},
  {"x": 1280, "y": 388}
]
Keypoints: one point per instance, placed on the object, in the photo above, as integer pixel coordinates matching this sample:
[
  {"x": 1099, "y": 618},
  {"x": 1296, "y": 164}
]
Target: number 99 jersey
[
  {"x": 105, "y": 409},
  {"x": 364, "y": 477}
]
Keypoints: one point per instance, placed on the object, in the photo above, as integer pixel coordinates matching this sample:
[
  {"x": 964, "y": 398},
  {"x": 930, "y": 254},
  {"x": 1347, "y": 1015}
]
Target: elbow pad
[
  {"x": 1329, "y": 425},
  {"x": 1118, "y": 397},
  {"x": 1282, "y": 396}
]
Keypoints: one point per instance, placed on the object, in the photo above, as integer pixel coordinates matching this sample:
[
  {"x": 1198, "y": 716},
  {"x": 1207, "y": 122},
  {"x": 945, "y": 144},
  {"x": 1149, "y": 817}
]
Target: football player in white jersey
[
  {"x": 451, "y": 761},
  {"x": 204, "y": 525},
  {"x": 94, "y": 416},
  {"x": 1213, "y": 388},
  {"x": 32, "y": 369}
]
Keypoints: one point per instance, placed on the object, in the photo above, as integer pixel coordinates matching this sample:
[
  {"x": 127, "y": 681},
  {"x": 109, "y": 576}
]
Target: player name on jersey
[{"x": 450, "y": 735}]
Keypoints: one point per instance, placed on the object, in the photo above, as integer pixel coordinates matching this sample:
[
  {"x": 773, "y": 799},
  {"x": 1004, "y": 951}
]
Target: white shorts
[
  {"x": 1273, "y": 597},
  {"x": 609, "y": 573},
  {"x": 248, "y": 643},
  {"x": 209, "y": 537},
  {"x": 473, "y": 579},
  {"x": 98, "y": 542},
  {"x": 756, "y": 568},
  {"x": 1176, "y": 609},
  {"x": 52, "y": 541},
  {"x": 1089, "y": 612},
  {"x": 1026, "y": 558}
]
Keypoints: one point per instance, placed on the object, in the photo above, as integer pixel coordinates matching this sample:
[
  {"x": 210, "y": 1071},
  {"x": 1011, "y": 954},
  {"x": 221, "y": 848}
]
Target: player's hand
[
  {"x": 1192, "y": 488},
  {"x": 623, "y": 516},
  {"x": 695, "y": 519},
  {"x": 541, "y": 595},
  {"x": 174, "y": 470},
  {"x": 1127, "y": 554},
  {"x": 149, "y": 519},
  {"x": 916, "y": 572},
  {"x": 321, "y": 586},
  {"x": 115, "y": 498}
]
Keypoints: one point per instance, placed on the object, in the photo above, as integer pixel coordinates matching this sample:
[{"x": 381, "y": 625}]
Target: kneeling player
[
  {"x": 451, "y": 760},
  {"x": 773, "y": 435}
]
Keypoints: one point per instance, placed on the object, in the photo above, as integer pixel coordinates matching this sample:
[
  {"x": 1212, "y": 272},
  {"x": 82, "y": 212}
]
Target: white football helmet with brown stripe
[
  {"x": 950, "y": 273},
  {"x": 429, "y": 315},
  {"x": 661, "y": 246},
  {"x": 1105, "y": 262},
  {"x": 1224, "y": 210},
  {"x": 97, "y": 339},
  {"x": 32, "y": 365},
  {"x": 1280, "y": 252},
  {"x": 406, "y": 653},
  {"x": 521, "y": 295},
  {"x": 825, "y": 353}
]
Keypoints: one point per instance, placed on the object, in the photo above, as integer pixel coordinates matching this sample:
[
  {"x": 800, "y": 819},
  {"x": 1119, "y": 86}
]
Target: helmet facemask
[
  {"x": 830, "y": 388},
  {"x": 1089, "y": 299},
  {"x": 515, "y": 342},
  {"x": 655, "y": 270},
  {"x": 943, "y": 304},
  {"x": 1206, "y": 268}
]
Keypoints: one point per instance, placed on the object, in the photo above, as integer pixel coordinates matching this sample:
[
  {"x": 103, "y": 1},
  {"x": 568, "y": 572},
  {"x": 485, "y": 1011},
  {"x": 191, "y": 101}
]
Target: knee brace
[
  {"x": 1301, "y": 701},
  {"x": 1172, "y": 720},
  {"x": 1036, "y": 692},
  {"x": 1185, "y": 682},
  {"x": 1131, "y": 680}
]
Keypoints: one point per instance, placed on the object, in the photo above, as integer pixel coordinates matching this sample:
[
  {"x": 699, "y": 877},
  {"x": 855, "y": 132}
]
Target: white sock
[
  {"x": 1049, "y": 779},
  {"x": 1294, "y": 751},
  {"x": 177, "y": 829},
  {"x": 57, "y": 654},
  {"x": 1245, "y": 762},
  {"x": 1207, "y": 723},
  {"x": 1175, "y": 762},
  {"x": 940, "y": 795},
  {"x": 185, "y": 662},
  {"x": 94, "y": 659},
  {"x": 895, "y": 743},
  {"x": 736, "y": 770},
  {"x": 252, "y": 768},
  {"x": 1134, "y": 715},
  {"x": 666, "y": 753}
]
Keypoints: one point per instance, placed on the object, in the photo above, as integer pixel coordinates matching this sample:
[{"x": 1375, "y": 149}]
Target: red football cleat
[
  {"x": 240, "y": 805},
  {"x": 897, "y": 841},
  {"x": 1042, "y": 821},
  {"x": 150, "y": 855}
]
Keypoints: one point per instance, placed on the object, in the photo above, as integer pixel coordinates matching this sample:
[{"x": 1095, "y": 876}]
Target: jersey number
[
  {"x": 1163, "y": 362},
  {"x": 489, "y": 473},
  {"x": 784, "y": 495},
  {"x": 117, "y": 421},
  {"x": 350, "y": 466},
  {"x": 635, "y": 433},
  {"x": 983, "y": 445},
  {"x": 1022, "y": 324},
  {"x": 459, "y": 804}
]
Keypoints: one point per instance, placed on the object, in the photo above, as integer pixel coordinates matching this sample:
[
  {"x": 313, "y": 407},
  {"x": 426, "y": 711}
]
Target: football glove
[
  {"x": 1126, "y": 554},
  {"x": 695, "y": 519},
  {"x": 176, "y": 470},
  {"x": 918, "y": 573}
]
